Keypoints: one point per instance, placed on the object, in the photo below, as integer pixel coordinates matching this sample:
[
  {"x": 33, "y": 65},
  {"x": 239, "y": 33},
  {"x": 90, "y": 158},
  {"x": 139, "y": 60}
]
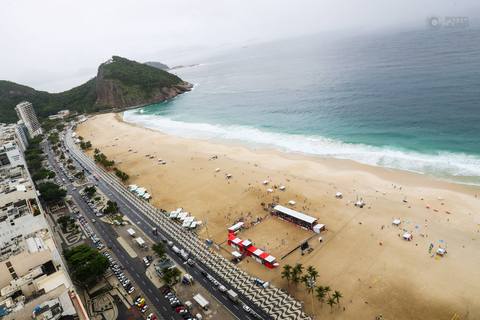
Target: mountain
[
  {"x": 157, "y": 65},
  {"x": 120, "y": 83}
]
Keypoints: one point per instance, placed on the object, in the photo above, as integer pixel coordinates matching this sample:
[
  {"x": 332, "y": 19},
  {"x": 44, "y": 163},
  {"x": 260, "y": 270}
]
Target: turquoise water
[{"x": 409, "y": 100}]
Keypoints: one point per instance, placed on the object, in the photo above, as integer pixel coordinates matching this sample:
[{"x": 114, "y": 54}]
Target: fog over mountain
[{"x": 52, "y": 45}]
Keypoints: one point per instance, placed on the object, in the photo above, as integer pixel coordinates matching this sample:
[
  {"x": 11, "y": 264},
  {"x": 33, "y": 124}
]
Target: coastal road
[
  {"x": 108, "y": 233},
  {"x": 133, "y": 268},
  {"x": 267, "y": 303}
]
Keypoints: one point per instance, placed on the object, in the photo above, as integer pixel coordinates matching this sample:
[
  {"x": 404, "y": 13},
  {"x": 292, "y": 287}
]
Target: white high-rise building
[
  {"x": 26, "y": 113},
  {"x": 21, "y": 133}
]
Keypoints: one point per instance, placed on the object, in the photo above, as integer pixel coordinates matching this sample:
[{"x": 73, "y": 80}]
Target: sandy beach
[{"x": 362, "y": 254}]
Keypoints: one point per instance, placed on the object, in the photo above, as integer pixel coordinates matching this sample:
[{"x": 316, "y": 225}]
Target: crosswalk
[{"x": 276, "y": 303}]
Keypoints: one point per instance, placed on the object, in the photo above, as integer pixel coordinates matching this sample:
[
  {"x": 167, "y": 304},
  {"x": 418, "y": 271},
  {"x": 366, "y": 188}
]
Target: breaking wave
[{"x": 457, "y": 167}]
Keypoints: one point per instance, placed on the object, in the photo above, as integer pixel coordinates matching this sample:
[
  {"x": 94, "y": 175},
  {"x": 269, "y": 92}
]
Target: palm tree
[
  {"x": 287, "y": 273},
  {"x": 297, "y": 273},
  {"x": 295, "y": 276},
  {"x": 320, "y": 292},
  {"x": 327, "y": 290},
  {"x": 337, "y": 295},
  {"x": 312, "y": 272},
  {"x": 331, "y": 302}
]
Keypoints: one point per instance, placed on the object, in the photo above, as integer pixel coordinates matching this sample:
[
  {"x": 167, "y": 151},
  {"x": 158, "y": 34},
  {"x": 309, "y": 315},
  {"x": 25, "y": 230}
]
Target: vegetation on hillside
[
  {"x": 135, "y": 74},
  {"x": 133, "y": 79}
]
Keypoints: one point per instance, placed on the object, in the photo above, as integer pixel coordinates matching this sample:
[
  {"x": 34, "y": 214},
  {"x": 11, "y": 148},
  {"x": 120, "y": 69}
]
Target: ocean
[{"x": 408, "y": 100}]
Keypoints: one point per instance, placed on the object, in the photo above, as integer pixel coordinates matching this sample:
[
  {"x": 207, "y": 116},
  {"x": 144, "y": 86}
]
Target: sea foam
[{"x": 456, "y": 167}]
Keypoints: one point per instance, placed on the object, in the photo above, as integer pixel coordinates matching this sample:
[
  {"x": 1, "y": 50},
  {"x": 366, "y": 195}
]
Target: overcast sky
[{"x": 56, "y": 44}]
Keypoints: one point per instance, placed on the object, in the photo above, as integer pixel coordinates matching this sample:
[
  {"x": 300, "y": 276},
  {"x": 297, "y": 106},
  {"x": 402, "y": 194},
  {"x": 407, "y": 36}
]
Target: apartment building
[
  {"x": 32, "y": 272},
  {"x": 26, "y": 113}
]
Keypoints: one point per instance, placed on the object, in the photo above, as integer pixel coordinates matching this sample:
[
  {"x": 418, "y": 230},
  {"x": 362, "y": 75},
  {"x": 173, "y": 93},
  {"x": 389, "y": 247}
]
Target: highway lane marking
[{"x": 164, "y": 308}]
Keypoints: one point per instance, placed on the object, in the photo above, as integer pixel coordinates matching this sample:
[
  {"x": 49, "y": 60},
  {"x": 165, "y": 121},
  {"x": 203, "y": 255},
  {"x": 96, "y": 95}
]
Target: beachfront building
[
  {"x": 26, "y": 113},
  {"x": 62, "y": 114},
  {"x": 246, "y": 248},
  {"x": 296, "y": 217},
  {"x": 31, "y": 269},
  {"x": 21, "y": 133}
]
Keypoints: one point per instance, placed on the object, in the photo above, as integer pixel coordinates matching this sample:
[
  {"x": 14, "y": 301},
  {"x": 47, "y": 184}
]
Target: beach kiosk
[
  {"x": 131, "y": 232},
  {"x": 441, "y": 252},
  {"x": 141, "y": 243}
]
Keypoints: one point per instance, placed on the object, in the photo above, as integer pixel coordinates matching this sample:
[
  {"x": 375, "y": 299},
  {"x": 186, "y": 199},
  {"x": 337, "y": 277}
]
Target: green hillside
[{"x": 119, "y": 83}]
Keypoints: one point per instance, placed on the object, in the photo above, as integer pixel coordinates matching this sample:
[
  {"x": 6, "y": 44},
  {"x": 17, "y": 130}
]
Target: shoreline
[
  {"x": 469, "y": 181},
  {"x": 343, "y": 164},
  {"x": 361, "y": 254}
]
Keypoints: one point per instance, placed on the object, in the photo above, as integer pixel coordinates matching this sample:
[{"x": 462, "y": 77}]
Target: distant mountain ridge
[
  {"x": 157, "y": 65},
  {"x": 120, "y": 83}
]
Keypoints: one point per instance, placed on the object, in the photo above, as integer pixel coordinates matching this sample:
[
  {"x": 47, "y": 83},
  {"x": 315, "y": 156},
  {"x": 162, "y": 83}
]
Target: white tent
[
  {"x": 236, "y": 226},
  {"x": 282, "y": 188},
  {"x": 131, "y": 232},
  {"x": 407, "y": 236},
  {"x": 396, "y": 222},
  {"x": 265, "y": 182},
  {"x": 182, "y": 216},
  {"x": 269, "y": 190},
  {"x": 338, "y": 195},
  {"x": 291, "y": 202},
  {"x": 187, "y": 222},
  {"x": 140, "y": 241}
]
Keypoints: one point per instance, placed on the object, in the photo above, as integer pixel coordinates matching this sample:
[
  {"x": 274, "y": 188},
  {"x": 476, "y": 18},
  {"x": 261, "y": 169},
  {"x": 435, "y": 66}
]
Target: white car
[{"x": 246, "y": 308}]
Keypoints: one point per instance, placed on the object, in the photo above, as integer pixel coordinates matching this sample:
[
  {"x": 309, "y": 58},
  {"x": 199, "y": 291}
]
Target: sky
[{"x": 54, "y": 45}]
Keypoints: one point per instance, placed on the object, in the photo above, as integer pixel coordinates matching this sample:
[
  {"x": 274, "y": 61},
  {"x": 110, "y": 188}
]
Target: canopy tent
[
  {"x": 140, "y": 241},
  {"x": 396, "y": 222},
  {"x": 236, "y": 226},
  {"x": 236, "y": 254}
]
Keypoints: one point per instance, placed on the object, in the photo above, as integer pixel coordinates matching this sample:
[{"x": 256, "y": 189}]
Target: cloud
[{"x": 54, "y": 44}]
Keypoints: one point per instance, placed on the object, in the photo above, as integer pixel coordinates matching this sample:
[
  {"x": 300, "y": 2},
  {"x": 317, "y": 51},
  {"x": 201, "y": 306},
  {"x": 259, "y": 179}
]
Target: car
[
  {"x": 144, "y": 308},
  {"x": 131, "y": 290},
  {"x": 138, "y": 300},
  {"x": 222, "y": 288},
  {"x": 246, "y": 308},
  {"x": 179, "y": 308},
  {"x": 151, "y": 316}
]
